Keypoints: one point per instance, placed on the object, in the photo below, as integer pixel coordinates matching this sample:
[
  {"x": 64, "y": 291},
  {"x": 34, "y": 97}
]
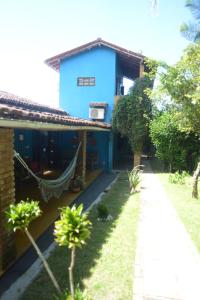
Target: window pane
[{"x": 86, "y": 81}]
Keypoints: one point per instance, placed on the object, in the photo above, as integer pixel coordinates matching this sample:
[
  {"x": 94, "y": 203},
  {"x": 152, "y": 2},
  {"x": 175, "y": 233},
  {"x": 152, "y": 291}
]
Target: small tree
[
  {"x": 178, "y": 149},
  {"x": 132, "y": 115},
  {"x": 181, "y": 83},
  {"x": 20, "y": 215},
  {"x": 72, "y": 230}
]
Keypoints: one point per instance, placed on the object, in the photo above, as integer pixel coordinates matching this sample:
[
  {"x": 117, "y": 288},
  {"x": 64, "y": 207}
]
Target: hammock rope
[{"x": 52, "y": 187}]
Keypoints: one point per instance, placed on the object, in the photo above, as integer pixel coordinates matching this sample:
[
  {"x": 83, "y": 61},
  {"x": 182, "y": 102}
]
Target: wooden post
[
  {"x": 142, "y": 69},
  {"x": 7, "y": 197},
  {"x": 110, "y": 152},
  {"x": 82, "y": 157},
  {"x": 84, "y": 150}
]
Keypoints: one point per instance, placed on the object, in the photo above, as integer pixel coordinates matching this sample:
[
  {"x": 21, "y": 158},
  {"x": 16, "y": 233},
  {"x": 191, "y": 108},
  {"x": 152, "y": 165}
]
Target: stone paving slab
[{"x": 167, "y": 264}]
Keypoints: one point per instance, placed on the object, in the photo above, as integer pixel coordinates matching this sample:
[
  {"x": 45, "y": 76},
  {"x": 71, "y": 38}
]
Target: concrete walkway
[{"x": 167, "y": 264}]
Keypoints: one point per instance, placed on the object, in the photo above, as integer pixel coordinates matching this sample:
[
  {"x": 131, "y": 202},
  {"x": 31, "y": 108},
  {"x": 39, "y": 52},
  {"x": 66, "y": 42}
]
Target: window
[{"x": 86, "y": 81}]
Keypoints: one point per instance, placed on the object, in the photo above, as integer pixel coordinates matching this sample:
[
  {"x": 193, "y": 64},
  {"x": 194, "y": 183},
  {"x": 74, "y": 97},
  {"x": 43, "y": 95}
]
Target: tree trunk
[
  {"x": 55, "y": 283},
  {"x": 137, "y": 158},
  {"x": 71, "y": 278},
  {"x": 195, "y": 182}
]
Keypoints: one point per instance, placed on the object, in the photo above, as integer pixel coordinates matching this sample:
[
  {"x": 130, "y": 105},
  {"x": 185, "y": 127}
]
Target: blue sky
[{"x": 33, "y": 30}]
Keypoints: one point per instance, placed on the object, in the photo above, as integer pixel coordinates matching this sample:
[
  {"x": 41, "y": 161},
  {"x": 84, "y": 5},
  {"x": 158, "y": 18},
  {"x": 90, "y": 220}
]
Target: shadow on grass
[{"x": 87, "y": 257}]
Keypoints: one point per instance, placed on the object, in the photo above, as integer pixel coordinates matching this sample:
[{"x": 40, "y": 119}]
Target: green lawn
[
  {"x": 104, "y": 267},
  {"x": 187, "y": 208}
]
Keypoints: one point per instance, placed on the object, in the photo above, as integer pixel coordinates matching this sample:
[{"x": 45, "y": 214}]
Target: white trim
[{"x": 26, "y": 124}]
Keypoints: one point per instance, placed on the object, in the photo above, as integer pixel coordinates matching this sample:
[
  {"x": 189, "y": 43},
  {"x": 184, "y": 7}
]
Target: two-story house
[{"x": 91, "y": 81}]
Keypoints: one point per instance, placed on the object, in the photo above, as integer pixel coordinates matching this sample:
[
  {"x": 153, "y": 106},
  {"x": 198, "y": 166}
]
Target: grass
[
  {"x": 187, "y": 207},
  {"x": 104, "y": 267}
]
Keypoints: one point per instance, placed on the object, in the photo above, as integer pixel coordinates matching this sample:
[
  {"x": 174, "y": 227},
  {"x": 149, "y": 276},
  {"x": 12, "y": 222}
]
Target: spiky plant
[{"x": 134, "y": 177}]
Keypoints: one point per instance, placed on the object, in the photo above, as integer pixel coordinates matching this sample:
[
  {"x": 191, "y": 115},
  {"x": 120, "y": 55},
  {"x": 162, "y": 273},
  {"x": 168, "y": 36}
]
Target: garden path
[{"x": 167, "y": 264}]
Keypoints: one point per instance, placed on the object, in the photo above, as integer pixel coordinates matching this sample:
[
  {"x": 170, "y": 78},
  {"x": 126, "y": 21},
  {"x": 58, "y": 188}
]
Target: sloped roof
[
  {"x": 128, "y": 59},
  {"x": 11, "y": 99},
  {"x": 13, "y": 107}
]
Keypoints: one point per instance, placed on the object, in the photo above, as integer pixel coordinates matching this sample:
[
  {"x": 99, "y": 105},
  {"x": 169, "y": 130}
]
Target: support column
[
  {"x": 142, "y": 69},
  {"x": 82, "y": 155},
  {"x": 7, "y": 196},
  {"x": 110, "y": 152}
]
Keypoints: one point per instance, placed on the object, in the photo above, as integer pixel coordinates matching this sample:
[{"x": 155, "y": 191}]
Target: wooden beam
[
  {"x": 81, "y": 168},
  {"x": 84, "y": 145},
  {"x": 141, "y": 69}
]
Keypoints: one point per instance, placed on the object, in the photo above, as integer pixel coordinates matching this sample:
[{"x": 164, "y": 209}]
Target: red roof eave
[{"x": 54, "y": 61}]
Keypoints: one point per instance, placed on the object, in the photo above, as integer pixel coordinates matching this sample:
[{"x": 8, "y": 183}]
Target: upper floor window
[{"x": 86, "y": 81}]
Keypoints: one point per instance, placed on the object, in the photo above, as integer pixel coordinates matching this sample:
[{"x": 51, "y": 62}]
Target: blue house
[{"x": 91, "y": 81}]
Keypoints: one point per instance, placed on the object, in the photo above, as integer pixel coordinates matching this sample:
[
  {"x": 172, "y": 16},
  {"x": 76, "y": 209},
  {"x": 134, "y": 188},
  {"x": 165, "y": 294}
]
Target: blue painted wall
[{"x": 99, "y": 63}]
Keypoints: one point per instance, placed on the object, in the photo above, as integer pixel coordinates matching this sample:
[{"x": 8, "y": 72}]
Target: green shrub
[
  {"x": 79, "y": 295},
  {"x": 20, "y": 215},
  {"x": 102, "y": 211},
  {"x": 178, "y": 178},
  {"x": 134, "y": 177}
]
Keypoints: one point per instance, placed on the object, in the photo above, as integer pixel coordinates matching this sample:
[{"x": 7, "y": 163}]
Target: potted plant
[{"x": 76, "y": 184}]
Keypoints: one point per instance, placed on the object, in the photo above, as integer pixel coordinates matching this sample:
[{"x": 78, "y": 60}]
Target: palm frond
[
  {"x": 194, "y": 6},
  {"x": 191, "y": 31}
]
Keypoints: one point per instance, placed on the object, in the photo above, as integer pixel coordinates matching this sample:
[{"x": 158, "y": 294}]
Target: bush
[
  {"x": 178, "y": 177},
  {"x": 79, "y": 295},
  {"x": 20, "y": 215},
  {"x": 178, "y": 149},
  {"x": 102, "y": 211}
]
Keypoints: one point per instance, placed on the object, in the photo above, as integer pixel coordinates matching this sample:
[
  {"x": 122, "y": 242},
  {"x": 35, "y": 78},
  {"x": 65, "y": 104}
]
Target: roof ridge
[{"x": 54, "y": 61}]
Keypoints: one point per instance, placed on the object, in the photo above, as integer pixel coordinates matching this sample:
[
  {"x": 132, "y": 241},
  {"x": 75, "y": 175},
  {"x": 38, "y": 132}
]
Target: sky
[{"x": 34, "y": 30}]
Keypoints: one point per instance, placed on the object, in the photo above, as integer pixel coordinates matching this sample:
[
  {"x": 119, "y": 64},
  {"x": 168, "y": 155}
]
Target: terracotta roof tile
[
  {"x": 11, "y": 99},
  {"x": 14, "y": 107}
]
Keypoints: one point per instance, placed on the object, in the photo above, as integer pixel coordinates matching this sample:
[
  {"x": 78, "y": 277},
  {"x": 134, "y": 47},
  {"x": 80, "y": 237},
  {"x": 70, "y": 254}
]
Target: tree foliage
[
  {"x": 181, "y": 84},
  {"x": 179, "y": 150},
  {"x": 132, "y": 113},
  {"x": 22, "y": 214},
  {"x": 191, "y": 30},
  {"x": 73, "y": 228}
]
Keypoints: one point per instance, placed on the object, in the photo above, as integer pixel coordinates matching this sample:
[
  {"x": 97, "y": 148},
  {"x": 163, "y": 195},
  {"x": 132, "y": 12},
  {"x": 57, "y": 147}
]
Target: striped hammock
[{"x": 52, "y": 187}]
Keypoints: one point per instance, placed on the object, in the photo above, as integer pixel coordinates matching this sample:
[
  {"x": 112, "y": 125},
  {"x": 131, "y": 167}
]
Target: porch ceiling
[{"x": 130, "y": 66}]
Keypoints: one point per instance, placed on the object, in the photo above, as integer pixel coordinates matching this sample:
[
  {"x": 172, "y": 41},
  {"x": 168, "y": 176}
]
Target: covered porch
[{"x": 19, "y": 129}]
